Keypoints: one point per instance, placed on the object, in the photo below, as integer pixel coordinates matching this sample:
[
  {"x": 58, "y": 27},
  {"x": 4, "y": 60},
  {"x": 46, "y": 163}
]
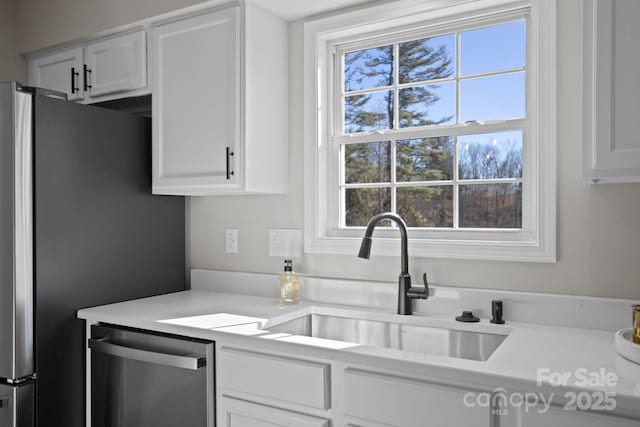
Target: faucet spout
[
  {"x": 405, "y": 292},
  {"x": 365, "y": 247}
]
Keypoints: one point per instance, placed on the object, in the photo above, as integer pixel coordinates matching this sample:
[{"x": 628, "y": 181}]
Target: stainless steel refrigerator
[{"x": 79, "y": 227}]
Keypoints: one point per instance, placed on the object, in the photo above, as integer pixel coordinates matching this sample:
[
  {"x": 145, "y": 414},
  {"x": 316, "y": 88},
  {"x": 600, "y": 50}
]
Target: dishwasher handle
[{"x": 176, "y": 361}]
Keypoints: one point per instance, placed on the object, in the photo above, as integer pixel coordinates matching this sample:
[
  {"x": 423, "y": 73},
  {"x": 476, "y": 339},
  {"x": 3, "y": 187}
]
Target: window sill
[{"x": 526, "y": 251}]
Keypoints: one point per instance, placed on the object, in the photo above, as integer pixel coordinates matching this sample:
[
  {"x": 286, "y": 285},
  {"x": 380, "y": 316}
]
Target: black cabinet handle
[
  {"x": 229, "y": 171},
  {"x": 86, "y": 71},
  {"x": 74, "y": 74}
]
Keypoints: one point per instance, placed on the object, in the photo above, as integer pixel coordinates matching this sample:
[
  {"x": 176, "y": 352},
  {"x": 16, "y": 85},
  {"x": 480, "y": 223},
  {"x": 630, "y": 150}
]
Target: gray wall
[
  {"x": 598, "y": 226},
  {"x": 49, "y": 22},
  {"x": 12, "y": 65}
]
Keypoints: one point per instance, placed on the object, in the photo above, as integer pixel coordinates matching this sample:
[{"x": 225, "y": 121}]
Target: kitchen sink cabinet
[
  {"x": 611, "y": 92},
  {"x": 240, "y": 413},
  {"x": 285, "y": 379},
  {"x": 325, "y": 390},
  {"x": 107, "y": 68},
  {"x": 256, "y": 388},
  {"x": 557, "y": 416},
  {"x": 371, "y": 398},
  {"x": 219, "y": 106}
]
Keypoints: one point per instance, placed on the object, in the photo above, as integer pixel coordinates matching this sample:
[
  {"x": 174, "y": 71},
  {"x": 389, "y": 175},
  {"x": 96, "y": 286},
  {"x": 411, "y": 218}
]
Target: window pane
[
  {"x": 491, "y": 205},
  {"x": 490, "y": 155},
  {"x": 368, "y": 112},
  {"x": 492, "y": 98},
  {"x": 365, "y": 69},
  {"x": 369, "y": 162},
  {"x": 426, "y": 206},
  {"x": 426, "y": 159},
  {"x": 495, "y": 48},
  {"x": 428, "y": 105},
  {"x": 427, "y": 59},
  {"x": 363, "y": 203}
]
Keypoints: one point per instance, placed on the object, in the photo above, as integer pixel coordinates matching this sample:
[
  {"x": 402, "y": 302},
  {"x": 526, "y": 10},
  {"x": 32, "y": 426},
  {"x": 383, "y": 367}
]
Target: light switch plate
[
  {"x": 231, "y": 241},
  {"x": 285, "y": 242}
]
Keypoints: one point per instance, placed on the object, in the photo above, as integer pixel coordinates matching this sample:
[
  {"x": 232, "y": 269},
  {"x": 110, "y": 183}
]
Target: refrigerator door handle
[{"x": 174, "y": 360}]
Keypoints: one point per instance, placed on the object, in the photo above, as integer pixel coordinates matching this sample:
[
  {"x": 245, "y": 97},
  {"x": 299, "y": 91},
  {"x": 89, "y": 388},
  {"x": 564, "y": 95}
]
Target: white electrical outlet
[
  {"x": 231, "y": 241},
  {"x": 285, "y": 242}
]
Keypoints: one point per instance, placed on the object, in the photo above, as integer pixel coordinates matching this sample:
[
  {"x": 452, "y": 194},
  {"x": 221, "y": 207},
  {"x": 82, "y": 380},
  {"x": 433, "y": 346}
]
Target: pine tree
[{"x": 418, "y": 160}]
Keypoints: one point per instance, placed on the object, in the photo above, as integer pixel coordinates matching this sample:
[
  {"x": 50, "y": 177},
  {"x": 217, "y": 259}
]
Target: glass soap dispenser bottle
[{"x": 288, "y": 285}]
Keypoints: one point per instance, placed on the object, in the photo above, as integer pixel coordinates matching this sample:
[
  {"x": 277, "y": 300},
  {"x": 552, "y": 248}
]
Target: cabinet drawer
[
  {"x": 289, "y": 380},
  {"x": 238, "y": 413},
  {"x": 404, "y": 402}
]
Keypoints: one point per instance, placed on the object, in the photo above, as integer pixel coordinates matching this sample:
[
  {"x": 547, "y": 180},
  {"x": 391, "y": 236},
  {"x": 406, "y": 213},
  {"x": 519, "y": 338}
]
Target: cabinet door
[
  {"x": 195, "y": 103},
  {"x": 612, "y": 92},
  {"x": 239, "y": 413},
  {"x": 117, "y": 64},
  {"x": 566, "y": 418},
  {"x": 376, "y": 399},
  {"x": 283, "y": 379},
  {"x": 61, "y": 71}
]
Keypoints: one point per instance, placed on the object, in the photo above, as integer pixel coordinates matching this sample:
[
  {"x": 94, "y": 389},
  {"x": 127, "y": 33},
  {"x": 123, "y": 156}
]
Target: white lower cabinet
[
  {"x": 281, "y": 379},
  {"x": 239, "y": 413},
  {"x": 566, "y": 418},
  {"x": 258, "y": 388},
  {"x": 372, "y": 399}
]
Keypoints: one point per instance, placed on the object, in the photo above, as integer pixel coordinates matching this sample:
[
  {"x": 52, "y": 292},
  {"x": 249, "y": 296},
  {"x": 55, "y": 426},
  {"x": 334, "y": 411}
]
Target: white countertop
[{"x": 514, "y": 365}]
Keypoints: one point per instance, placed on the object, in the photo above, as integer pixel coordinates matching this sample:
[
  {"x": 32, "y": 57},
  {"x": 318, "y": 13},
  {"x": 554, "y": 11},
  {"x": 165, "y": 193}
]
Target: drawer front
[
  {"x": 403, "y": 402},
  {"x": 238, "y": 413},
  {"x": 285, "y": 379}
]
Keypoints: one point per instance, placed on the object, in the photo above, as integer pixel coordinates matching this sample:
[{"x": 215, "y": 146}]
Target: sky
[{"x": 483, "y": 50}]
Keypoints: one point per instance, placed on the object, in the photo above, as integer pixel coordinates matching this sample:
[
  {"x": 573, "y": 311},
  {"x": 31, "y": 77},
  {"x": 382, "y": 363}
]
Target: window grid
[
  {"x": 395, "y": 134},
  {"x": 393, "y": 185}
]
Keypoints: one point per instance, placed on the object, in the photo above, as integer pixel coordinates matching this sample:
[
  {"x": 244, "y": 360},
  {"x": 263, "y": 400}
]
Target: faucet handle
[
  {"x": 426, "y": 285},
  {"x": 416, "y": 292}
]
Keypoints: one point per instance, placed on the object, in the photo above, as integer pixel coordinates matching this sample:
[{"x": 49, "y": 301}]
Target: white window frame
[{"x": 536, "y": 241}]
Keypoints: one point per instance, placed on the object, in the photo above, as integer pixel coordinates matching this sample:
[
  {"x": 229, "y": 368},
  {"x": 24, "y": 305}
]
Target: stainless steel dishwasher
[{"x": 147, "y": 379}]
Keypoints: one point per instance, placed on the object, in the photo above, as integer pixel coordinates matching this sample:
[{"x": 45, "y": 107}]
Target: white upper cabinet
[
  {"x": 117, "y": 64},
  {"x": 195, "y": 103},
  {"x": 108, "y": 68},
  {"x": 218, "y": 75},
  {"x": 612, "y": 92},
  {"x": 219, "y": 103},
  {"x": 60, "y": 71}
]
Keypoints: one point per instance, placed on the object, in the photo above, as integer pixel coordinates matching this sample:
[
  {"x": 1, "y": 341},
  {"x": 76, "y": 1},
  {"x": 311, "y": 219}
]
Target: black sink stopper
[
  {"x": 467, "y": 317},
  {"x": 496, "y": 312}
]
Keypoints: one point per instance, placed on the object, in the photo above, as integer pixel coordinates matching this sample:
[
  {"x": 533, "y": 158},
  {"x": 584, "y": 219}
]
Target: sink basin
[{"x": 407, "y": 333}]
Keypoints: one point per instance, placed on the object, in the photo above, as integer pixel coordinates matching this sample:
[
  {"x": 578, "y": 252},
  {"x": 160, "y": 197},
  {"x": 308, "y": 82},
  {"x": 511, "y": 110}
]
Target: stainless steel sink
[{"x": 407, "y": 333}]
